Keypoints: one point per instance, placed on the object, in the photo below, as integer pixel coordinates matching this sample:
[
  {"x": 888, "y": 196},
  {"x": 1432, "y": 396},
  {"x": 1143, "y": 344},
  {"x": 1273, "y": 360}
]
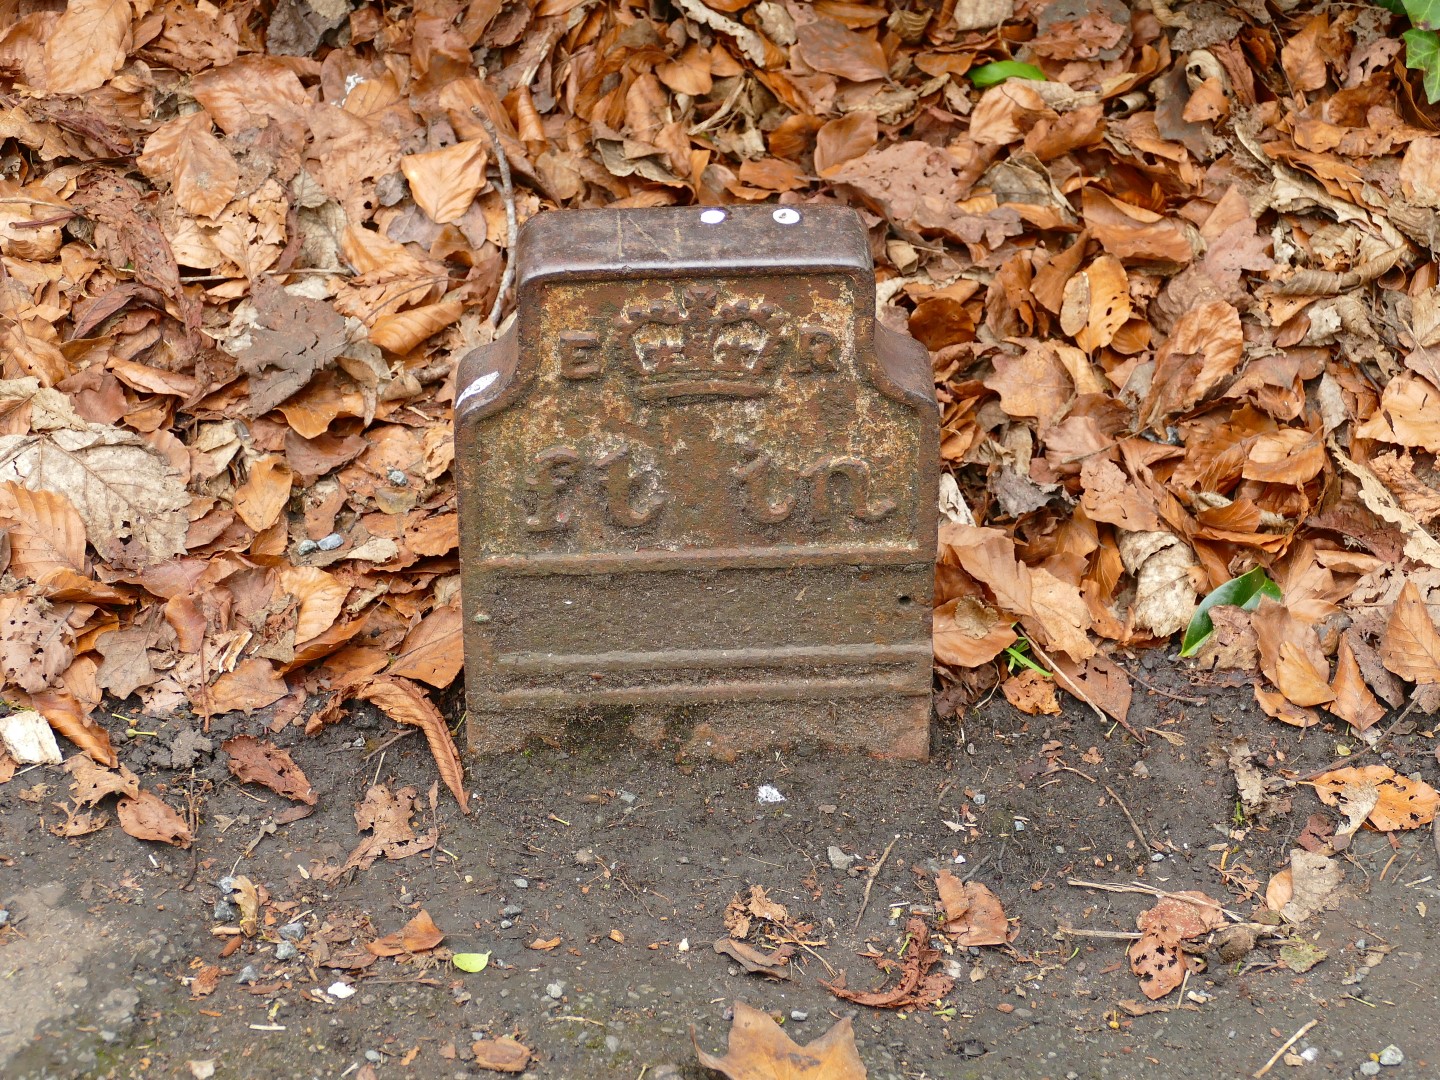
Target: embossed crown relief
[
  {"x": 699, "y": 345},
  {"x": 704, "y": 344}
]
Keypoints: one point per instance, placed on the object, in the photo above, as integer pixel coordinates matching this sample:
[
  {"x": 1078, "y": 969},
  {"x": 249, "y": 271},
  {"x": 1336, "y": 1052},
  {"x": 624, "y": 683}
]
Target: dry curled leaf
[
  {"x": 759, "y": 1050},
  {"x": 148, "y": 817},
  {"x": 254, "y": 762},
  {"x": 419, "y": 935},
  {"x": 1402, "y": 803},
  {"x": 405, "y": 703}
]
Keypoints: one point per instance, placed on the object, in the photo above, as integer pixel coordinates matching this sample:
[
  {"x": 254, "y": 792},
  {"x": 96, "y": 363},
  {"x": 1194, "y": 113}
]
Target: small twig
[
  {"x": 507, "y": 192},
  {"x": 390, "y": 742},
  {"x": 1139, "y": 834},
  {"x": 1074, "y": 687},
  {"x": 1283, "y": 1047},
  {"x": 1340, "y": 763},
  {"x": 870, "y": 881},
  {"x": 1113, "y": 935},
  {"x": 1159, "y": 894},
  {"x": 1167, "y": 693}
]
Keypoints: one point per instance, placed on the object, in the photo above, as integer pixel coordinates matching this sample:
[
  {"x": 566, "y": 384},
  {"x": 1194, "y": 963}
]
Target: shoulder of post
[{"x": 678, "y": 242}]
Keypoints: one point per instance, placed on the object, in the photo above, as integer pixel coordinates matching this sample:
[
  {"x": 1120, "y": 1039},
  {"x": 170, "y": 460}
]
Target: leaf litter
[{"x": 1162, "y": 358}]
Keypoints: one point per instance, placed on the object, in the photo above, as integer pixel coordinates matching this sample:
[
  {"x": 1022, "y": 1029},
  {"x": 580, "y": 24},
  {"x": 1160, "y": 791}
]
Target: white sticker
[{"x": 482, "y": 383}]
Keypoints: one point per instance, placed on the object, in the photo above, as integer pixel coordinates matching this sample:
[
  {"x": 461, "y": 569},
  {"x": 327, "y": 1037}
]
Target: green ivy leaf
[
  {"x": 1422, "y": 51},
  {"x": 1397, "y": 6},
  {"x": 1424, "y": 14},
  {"x": 1243, "y": 592},
  {"x": 471, "y": 961},
  {"x": 993, "y": 74}
]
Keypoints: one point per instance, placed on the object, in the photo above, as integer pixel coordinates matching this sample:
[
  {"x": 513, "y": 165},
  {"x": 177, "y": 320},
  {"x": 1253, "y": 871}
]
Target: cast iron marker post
[{"x": 697, "y": 485}]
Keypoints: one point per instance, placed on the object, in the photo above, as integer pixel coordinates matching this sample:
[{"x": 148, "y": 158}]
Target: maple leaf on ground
[{"x": 759, "y": 1050}]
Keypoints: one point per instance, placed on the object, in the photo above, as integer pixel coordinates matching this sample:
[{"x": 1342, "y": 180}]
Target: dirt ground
[{"x": 630, "y": 860}]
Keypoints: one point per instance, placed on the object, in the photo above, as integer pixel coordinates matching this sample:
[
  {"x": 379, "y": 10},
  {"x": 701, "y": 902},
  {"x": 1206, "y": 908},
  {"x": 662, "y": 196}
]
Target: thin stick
[
  {"x": 507, "y": 192},
  {"x": 1074, "y": 688},
  {"x": 1159, "y": 894},
  {"x": 1139, "y": 835},
  {"x": 1167, "y": 693},
  {"x": 1340, "y": 763},
  {"x": 1283, "y": 1047},
  {"x": 870, "y": 881},
  {"x": 1110, "y": 935}
]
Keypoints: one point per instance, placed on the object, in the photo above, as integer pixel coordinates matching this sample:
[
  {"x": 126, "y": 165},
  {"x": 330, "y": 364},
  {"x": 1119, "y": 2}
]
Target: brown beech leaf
[
  {"x": 254, "y": 762},
  {"x": 445, "y": 182},
  {"x": 1411, "y": 645},
  {"x": 1132, "y": 232},
  {"x": 500, "y": 1055},
  {"x": 87, "y": 45},
  {"x": 46, "y": 534},
  {"x": 261, "y": 499},
  {"x": 90, "y": 782},
  {"x": 405, "y": 703},
  {"x": 433, "y": 652},
  {"x": 1159, "y": 963},
  {"x": 1402, "y": 804},
  {"x": 826, "y": 45},
  {"x": 401, "y": 332},
  {"x": 842, "y": 140},
  {"x": 1034, "y": 384},
  {"x": 966, "y": 633},
  {"x": 1354, "y": 703},
  {"x": 759, "y": 1050},
  {"x": 419, "y": 935},
  {"x": 1204, "y": 348},
  {"x": 972, "y": 912},
  {"x": 147, "y": 817},
  {"x": 253, "y": 685},
  {"x": 200, "y": 171},
  {"x": 320, "y": 597},
  {"x": 1409, "y": 414},
  {"x": 35, "y": 643}
]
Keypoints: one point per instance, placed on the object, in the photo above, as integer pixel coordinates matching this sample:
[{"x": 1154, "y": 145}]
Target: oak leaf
[{"x": 759, "y": 1050}]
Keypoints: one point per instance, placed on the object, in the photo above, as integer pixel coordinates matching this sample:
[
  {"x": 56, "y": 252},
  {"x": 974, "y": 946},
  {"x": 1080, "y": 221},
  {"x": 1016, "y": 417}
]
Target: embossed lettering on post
[{"x": 697, "y": 484}]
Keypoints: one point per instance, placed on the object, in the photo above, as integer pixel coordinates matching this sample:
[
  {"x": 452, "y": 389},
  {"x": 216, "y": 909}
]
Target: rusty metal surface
[{"x": 697, "y": 488}]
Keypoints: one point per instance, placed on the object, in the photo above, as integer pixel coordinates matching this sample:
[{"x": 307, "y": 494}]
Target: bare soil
[{"x": 105, "y": 930}]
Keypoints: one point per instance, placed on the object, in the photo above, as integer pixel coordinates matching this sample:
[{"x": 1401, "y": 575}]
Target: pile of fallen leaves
[{"x": 1180, "y": 296}]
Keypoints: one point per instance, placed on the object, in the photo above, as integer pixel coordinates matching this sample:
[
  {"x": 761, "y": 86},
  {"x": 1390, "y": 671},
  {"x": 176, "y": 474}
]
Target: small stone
[
  {"x": 1019, "y": 825},
  {"x": 838, "y": 859},
  {"x": 374, "y": 1055},
  {"x": 586, "y": 857},
  {"x": 511, "y": 911},
  {"x": 1369, "y": 1068},
  {"x": 506, "y": 924},
  {"x": 612, "y": 1043},
  {"x": 521, "y": 883},
  {"x": 248, "y": 975},
  {"x": 1140, "y": 771},
  {"x": 980, "y": 799},
  {"x": 330, "y": 543},
  {"x": 293, "y": 930},
  {"x": 827, "y": 808},
  {"x": 1391, "y": 1055},
  {"x": 397, "y": 477},
  {"x": 627, "y": 797},
  {"x": 306, "y": 547},
  {"x": 1157, "y": 856},
  {"x": 768, "y": 794},
  {"x": 225, "y": 911},
  {"x": 286, "y": 950},
  {"x": 555, "y": 990},
  {"x": 799, "y": 1015},
  {"x": 4, "y": 917}
]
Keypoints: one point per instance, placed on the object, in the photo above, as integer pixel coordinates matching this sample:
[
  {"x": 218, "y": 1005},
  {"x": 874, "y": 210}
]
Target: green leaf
[
  {"x": 1244, "y": 592},
  {"x": 471, "y": 961},
  {"x": 993, "y": 74},
  {"x": 1424, "y": 14},
  {"x": 1397, "y": 6},
  {"x": 1422, "y": 51}
]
